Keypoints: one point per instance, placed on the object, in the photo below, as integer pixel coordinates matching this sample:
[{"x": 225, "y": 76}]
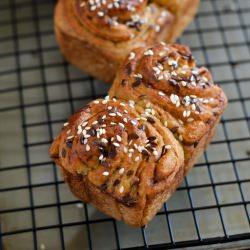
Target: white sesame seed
[
  {"x": 110, "y": 107},
  {"x": 149, "y": 52},
  {"x": 121, "y": 170},
  {"x": 65, "y": 124},
  {"x": 95, "y": 122},
  {"x": 112, "y": 114},
  {"x": 137, "y": 158},
  {"x": 125, "y": 150},
  {"x": 68, "y": 132},
  {"x": 131, "y": 55},
  {"x": 190, "y": 119},
  {"x": 121, "y": 189},
  {"x": 133, "y": 122},
  {"x": 125, "y": 119},
  {"x": 96, "y": 102},
  {"x": 105, "y": 173},
  {"x": 122, "y": 104},
  {"x": 119, "y": 114},
  {"x": 155, "y": 153},
  {"x": 82, "y": 4},
  {"x": 183, "y": 83},
  {"x": 87, "y": 147},
  {"x": 104, "y": 140},
  {"x": 104, "y": 102},
  {"x": 118, "y": 138},
  {"x": 116, "y": 144},
  {"x": 101, "y": 157},
  {"x": 100, "y": 13},
  {"x": 168, "y": 146},
  {"x": 161, "y": 93},
  {"x": 121, "y": 124}
]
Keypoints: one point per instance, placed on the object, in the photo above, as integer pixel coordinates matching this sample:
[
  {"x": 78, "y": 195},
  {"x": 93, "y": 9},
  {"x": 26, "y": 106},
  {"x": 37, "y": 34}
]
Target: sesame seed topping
[
  {"x": 168, "y": 146},
  {"x": 96, "y": 102},
  {"x": 119, "y": 139},
  {"x": 149, "y": 52},
  {"x": 131, "y": 55},
  {"x": 116, "y": 144},
  {"x": 121, "y": 189},
  {"x": 155, "y": 153},
  {"x": 121, "y": 170},
  {"x": 137, "y": 158},
  {"x": 65, "y": 124},
  {"x": 87, "y": 147},
  {"x": 161, "y": 93},
  {"x": 105, "y": 173}
]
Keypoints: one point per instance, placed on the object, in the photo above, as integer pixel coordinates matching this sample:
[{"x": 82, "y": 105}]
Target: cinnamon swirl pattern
[
  {"x": 97, "y": 35},
  {"x": 115, "y": 146},
  {"x": 126, "y": 154},
  {"x": 167, "y": 77}
]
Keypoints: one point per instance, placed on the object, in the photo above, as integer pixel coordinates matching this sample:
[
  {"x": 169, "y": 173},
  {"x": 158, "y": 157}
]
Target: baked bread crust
[
  {"x": 171, "y": 80},
  {"x": 123, "y": 163},
  {"x": 100, "y": 51},
  {"x": 126, "y": 154}
]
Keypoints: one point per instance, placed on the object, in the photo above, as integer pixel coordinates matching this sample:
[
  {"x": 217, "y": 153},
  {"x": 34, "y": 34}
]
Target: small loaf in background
[
  {"x": 96, "y": 36},
  {"x": 126, "y": 154}
]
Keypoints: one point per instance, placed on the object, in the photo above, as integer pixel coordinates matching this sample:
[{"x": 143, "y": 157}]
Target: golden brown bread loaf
[
  {"x": 126, "y": 154},
  {"x": 96, "y": 36}
]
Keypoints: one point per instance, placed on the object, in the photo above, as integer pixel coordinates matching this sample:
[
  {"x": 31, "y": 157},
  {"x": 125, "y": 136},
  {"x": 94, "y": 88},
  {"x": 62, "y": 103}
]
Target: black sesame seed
[
  {"x": 63, "y": 153},
  {"x": 129, "y": 69},
  {"x": 69, "y": 142},
  {"x": 129, "y": 201},
  {"x": 137, "y": 82},
  {"x": 92, "y": 132},
  {"x": 145, "y": 152},
  {"x": 151, "y": 138},
  {"x": 174, "y": 129},
  {"x": 112, "y": 152},
  {"x": 104, "y": 187},
  {"x": 130, "y": 172},
  {"x": 133, "y": 136},
  {"x": 150, "y": 119},
  {"x": 116, "y": 182}
]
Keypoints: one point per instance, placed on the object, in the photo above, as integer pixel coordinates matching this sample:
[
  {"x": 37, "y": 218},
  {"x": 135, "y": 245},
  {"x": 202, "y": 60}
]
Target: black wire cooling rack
[{"x": 39, "y": 91}]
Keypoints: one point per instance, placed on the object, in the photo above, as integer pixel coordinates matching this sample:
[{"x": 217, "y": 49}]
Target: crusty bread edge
[
  {"x": 133, "y": 216},
  {"x": 89, "y": 58}
]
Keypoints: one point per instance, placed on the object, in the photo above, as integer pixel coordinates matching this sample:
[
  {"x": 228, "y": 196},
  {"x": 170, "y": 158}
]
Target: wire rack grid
[{"x": 39, "y": 91}]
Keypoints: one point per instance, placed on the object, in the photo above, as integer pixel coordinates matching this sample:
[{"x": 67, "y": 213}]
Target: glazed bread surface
[
  {"x": 126, "y": 154},
  {"x": 189, "y": 102},
  {"x": 96, "y": 37},
  {"x": 118, "y": 158}
]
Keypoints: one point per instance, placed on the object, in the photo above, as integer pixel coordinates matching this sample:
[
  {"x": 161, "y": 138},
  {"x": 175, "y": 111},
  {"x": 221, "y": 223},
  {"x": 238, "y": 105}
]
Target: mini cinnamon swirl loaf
[
  {"x": 167, "y": 77},
  {"x": 124, "y": 164},
  {"x": 126, "y": 154},
  {"x": 97, "y": 35}
]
